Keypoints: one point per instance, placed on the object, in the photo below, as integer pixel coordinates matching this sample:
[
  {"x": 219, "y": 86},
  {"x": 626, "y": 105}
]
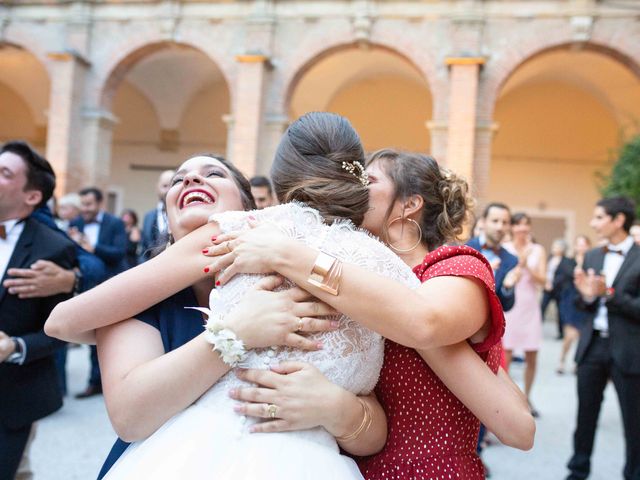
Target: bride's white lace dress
[{"x": 209, "y": 440}]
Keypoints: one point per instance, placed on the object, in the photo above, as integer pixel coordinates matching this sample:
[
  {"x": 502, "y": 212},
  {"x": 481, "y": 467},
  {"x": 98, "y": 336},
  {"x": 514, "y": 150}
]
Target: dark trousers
[
  {"x": 60, "y": 358},
  {"x": 547, "y": 298},
  {"x": 94, "y": 377},
  {"x": 12, "y": 444},
  {"x": 594, "y": 371}
]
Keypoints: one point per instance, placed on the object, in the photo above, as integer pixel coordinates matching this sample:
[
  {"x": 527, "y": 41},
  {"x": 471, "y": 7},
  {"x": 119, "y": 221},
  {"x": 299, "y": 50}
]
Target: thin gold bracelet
[{"x": 367, "y": 419}]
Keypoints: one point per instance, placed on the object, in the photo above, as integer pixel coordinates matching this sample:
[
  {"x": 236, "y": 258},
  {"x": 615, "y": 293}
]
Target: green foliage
[{"x": 625, "y": 174}]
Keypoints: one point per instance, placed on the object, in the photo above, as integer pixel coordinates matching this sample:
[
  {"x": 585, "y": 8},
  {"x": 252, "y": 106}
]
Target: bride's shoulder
[{"x": 285, "y": 216}]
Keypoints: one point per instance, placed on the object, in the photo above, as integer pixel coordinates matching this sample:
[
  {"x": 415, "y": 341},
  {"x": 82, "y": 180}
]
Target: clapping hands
[{"x": 589, "y": 284}]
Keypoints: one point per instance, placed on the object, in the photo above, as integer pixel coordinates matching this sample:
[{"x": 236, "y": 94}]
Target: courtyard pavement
[{"x": 72, "y": 443}]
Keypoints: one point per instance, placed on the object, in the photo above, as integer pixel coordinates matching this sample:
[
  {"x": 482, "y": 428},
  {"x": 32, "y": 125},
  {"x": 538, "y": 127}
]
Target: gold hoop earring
[{"x": 405, "y": 250}]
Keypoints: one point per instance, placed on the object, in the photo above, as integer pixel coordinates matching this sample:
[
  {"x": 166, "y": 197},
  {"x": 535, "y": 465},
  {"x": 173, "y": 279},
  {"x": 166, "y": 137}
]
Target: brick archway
[
  {"x": 120, "y": 66},
  {"x": 512, "y": 61},
  {"x": 318, "y": 46}
]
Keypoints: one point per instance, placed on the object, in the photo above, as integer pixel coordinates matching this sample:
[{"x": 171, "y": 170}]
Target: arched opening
[
  {"x": 24, "y": 97},
  {"x": 384, "y": 96},
  {"x": 169, "y": 104},
  {"x": 561, "y": 116}
]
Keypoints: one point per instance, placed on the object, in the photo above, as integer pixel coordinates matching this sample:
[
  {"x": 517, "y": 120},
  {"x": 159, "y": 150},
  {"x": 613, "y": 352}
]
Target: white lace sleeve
[{"x": 352, "y": 355}]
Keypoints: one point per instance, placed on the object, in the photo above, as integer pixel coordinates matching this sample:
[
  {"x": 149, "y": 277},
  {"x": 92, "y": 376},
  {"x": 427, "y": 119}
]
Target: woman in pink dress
[{"x": 524, "y": 321}]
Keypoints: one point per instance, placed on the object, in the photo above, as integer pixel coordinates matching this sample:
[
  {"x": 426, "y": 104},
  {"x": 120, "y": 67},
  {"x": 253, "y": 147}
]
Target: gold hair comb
[{"x": 361, "y": 174}]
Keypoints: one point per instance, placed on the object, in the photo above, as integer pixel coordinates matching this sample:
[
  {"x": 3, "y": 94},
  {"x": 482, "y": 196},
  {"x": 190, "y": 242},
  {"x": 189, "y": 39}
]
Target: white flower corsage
[{"x": 224, "y": 340}]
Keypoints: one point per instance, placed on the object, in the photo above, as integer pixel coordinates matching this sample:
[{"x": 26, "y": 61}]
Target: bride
[{"x": 320, "y": 162}]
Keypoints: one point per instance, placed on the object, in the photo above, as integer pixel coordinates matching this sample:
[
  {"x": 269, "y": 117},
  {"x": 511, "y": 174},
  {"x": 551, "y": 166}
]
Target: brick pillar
[
  {"x": 482, "y": 166},
  {"x": 98, "y": 138},
  {"x": 64, "y": 138},
  {"x": 247, "y": 115},
  {"x": 464, "y": 72}
]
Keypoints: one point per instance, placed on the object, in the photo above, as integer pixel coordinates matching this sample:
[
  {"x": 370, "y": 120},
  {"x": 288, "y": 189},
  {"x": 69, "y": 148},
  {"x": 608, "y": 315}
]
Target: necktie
[
  {"x": 606, "y": 250},
  {"x": 3, "y": 232}
]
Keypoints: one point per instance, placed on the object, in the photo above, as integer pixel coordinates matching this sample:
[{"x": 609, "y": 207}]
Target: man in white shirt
[
  {"x": 28, "y": 380},
  {"x": 609, "y": 347}
]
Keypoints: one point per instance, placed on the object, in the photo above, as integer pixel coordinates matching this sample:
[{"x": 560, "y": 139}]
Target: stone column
[
  {"x": 98, "y": 139},
  {"x": 64, "y": 133},
  {"x": 247, "y": 115},
  {"x": 274, "y": 127},
  {"x": 464, "y": 72}
]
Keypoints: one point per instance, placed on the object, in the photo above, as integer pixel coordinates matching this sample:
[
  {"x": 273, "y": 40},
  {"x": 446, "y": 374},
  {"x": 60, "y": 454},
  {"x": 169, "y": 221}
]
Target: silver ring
[
  {"x": 272, "y": 410},
  {"x": 300, "y": 325}
]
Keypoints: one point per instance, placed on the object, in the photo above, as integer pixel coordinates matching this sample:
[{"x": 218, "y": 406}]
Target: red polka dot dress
[{"x": 432, "y": 435}]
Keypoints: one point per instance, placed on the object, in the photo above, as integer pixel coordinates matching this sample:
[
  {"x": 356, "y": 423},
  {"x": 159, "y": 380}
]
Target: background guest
[
  {"x": 262, "y": 192},
  {"x": 635, "y": 233},
  {"x": 524, "y": 321},
  {"x": 557, "y": 280},
  {"x": 608, "y": 346},
  {"x": 155, "y": 229},
  {"x": 496, "y": 221},
  {"x": 572, "y": 317},
  {"x": 28, "y": 378},
  {"x": 68, "y": 208},
  {"x": 130, "y": 219},
  {"x": 104, "y": 235}
]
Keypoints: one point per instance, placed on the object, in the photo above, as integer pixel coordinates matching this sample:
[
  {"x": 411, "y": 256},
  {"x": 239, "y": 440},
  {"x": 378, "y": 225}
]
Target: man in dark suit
[
  {"x": 609, "y": 346},
  {"x": 28, "y": 379},
  {"x": 497, "y": 221},
  {"x": 154, "y": 226},
  {"x": 103, "y": 235}
]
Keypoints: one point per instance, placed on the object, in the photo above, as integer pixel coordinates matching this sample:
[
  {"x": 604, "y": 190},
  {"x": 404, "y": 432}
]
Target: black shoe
[
  {"x": 534, "y": 412},
  {"x": 90, "y": 391}
]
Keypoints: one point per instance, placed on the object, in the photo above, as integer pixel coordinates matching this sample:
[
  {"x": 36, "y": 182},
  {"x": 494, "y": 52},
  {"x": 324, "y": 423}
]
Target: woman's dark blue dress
[{"x": 177, "y": 326}]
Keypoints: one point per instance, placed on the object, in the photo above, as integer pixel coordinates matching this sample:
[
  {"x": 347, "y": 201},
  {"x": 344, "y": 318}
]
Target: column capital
[
  {"x": 68, "y": 55},
  {"x": 253, "y": 58},
  {"x": 277, "y": 119},
  {"x": 104, "y": 117},
  {"x": 451, "y": 61}
]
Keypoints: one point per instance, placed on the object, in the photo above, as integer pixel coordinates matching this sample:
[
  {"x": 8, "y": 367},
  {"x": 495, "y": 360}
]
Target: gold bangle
[
  {"x": 320, "y": 272},
  {"x": 367, "y": 419}
]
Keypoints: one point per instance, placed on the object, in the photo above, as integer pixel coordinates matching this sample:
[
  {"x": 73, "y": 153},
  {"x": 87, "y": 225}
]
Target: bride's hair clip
[{"x": 357, "y": 170}]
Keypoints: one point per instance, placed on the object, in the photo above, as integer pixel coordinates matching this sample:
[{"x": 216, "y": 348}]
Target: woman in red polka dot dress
[{"x": 434, "y": 384}]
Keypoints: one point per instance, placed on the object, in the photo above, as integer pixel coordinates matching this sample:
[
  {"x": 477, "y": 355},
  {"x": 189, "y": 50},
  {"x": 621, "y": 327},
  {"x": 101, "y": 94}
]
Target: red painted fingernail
[
  {"x": 206, "y": 269},
  {"x": 217, "y": 283},
  {"x": 206, "y": 250},
  {"x": 213, "y": 239},
  {"x": 319, "y": 345}
]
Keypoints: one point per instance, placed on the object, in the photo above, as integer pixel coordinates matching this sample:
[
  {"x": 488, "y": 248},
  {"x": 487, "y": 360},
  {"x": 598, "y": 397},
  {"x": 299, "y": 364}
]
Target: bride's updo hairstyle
[
  {"x": 308, "y": 167},
  {"x": 447, "y": 202}
]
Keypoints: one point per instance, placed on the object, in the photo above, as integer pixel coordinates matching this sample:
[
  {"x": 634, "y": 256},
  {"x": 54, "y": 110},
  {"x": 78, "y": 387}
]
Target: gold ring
[
  {"x": 272, "y": 410},
  {"x": 300, "y": 325},
  {"x": 229, "y": 249}
]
